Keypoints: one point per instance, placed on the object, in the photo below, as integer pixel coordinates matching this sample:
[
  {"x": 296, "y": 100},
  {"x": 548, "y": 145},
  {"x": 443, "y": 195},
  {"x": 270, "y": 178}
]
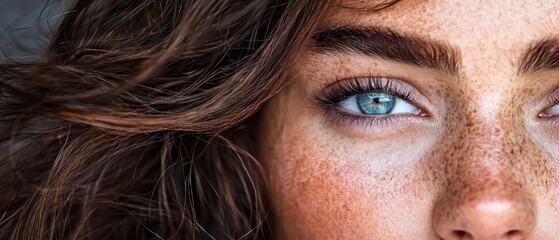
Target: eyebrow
[
  {"x": 387, "y": 44},
  {"x": 543, "y": 55}
]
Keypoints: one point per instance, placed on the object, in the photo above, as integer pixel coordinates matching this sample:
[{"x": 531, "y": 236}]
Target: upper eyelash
[{"x": 342, "y": 90}]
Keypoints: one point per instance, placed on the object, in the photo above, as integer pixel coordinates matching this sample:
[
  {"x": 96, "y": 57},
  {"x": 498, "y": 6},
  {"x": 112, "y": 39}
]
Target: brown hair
[{"x": 135, "y": 123}]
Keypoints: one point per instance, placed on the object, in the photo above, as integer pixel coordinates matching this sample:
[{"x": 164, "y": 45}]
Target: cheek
[
  {"x": 325, "y": 188},
  {"x": 318, "y": 196}
]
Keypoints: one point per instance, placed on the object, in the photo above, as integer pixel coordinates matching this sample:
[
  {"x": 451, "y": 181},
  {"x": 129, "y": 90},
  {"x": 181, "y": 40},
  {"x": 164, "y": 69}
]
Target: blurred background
[{"x": 26, "y": 27}]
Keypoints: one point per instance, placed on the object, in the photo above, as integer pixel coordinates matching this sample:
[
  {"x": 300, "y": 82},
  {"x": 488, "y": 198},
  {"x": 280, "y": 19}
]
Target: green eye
[{"x": 376, "y": 103}]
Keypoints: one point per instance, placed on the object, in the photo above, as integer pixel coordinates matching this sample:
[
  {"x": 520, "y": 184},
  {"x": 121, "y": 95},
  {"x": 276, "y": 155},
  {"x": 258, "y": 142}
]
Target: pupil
[
  {"x": 378, "y": 100},
  {"x": 376, "y": 103}
]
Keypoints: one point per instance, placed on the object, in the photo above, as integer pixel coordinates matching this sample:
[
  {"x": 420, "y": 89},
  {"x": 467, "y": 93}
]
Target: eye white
[
  {"x": 400, "y": 106},
  {"x": 551, "y": 112}
]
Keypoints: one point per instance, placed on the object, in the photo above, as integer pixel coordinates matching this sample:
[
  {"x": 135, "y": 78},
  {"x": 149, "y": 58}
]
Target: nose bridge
[
  {"x": 487, "y": 141},
  {"x": 484, "y": 196},
  {"x": 481, "y": 148},
  {"x": 482, "y": 169}
]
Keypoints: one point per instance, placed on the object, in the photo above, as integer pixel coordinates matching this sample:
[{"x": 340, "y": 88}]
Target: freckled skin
[{"x": 481, "y": 165}]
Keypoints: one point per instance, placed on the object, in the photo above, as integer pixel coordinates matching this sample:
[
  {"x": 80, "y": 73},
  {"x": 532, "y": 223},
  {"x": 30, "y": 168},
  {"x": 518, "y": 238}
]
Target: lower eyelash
[{"x": 337, "y": 117}]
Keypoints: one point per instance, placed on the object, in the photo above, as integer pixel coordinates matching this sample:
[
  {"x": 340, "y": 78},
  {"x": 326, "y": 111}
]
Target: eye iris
[{"x": 376, "y": 103}]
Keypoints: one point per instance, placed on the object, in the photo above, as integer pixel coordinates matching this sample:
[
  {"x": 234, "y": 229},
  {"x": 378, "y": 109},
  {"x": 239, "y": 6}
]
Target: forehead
[
  {"x": 483, "y": 31},
  {"x": 457, "y": 22}
]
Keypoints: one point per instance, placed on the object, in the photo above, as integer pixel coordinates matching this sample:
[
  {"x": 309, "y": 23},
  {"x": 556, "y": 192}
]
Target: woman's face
[{"x": 429, "y": 119}]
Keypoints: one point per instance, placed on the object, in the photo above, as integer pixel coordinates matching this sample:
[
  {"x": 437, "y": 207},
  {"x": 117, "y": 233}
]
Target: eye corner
[
  {"x": 543, "y": 115},
  {"x": 423, "y": 113},
  {"x": 550, "y": 112}
]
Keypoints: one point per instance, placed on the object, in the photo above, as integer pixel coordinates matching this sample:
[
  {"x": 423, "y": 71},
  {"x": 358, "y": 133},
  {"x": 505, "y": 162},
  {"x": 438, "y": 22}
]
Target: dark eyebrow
[
  {"x": 544, "y": 55},
  {"x": 387, "y": 44}
]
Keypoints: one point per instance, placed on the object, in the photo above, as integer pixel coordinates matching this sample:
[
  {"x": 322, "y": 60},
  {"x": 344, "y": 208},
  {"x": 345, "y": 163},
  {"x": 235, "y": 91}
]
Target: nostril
[
  {"x": 515, "y": 234},
  {"x": 512, "y": 234},
  {"x": 461, "y": 234}
]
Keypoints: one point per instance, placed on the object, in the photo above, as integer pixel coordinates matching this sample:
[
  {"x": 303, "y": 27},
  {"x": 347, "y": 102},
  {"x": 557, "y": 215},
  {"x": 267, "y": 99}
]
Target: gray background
[{"x": 26, "y": 27}]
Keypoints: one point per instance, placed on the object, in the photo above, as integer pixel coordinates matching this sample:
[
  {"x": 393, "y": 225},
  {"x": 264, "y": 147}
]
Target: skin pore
[{"x": 478, "y": 160}]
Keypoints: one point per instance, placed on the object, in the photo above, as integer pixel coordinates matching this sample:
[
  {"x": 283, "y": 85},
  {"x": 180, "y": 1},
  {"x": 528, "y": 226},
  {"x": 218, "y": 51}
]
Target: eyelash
[{"x": 329, "y": 98}]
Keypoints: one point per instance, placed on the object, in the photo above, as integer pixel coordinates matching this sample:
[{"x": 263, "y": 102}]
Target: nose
[
  {"x": 485, "y": 192},
  {"x": 508, "y": 216}
]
